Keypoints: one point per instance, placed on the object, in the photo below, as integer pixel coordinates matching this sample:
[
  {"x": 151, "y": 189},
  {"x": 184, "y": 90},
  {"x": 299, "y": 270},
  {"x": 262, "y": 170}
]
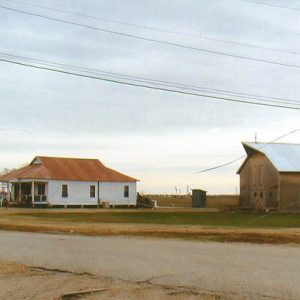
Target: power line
[
  {"x": 141, "y": 85},
  {"x": 156, "y": 82},
  {"x": 157, "y": 29},
  {"x": 151, "y": 39},
  {"x": 245, "y": 156},
  {"x": 152, "y": 81},
  {"x": 272, "y": 5}
]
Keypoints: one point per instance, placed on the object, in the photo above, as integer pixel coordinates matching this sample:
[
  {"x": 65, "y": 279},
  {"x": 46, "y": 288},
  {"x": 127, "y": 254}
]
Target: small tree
[{"x": 6, "y": 171}]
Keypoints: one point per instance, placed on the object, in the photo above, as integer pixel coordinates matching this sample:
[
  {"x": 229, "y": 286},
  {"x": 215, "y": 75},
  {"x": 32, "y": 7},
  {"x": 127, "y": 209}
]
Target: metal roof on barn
[
  {"x": 59, "y": 168},
  {"x": 284, "y": 157}
]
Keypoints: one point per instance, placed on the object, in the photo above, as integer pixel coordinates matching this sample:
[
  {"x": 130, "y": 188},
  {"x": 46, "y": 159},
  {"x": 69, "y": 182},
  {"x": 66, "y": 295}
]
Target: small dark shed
[{"x": 198, "y": 198}]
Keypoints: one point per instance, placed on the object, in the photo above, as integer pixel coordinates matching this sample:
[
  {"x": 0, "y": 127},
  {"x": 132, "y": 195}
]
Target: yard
[
  {"x": 170, "y": 217},
  {"x": 172, "y": 223}
]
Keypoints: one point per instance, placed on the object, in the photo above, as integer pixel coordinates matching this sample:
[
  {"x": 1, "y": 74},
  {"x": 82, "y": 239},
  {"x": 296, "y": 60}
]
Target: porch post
[
  {"x": 20, "y": 193},
  {"x": 8, "y": 192},
  {"x": 98, "y": 194},
  {"x": 32, "y": 192}
]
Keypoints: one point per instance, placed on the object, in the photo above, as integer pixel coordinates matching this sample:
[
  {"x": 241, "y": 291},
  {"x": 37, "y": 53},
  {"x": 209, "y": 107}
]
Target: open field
[
  {"x": 189, "y": 224},
  {"x": 212, "y": 201}
]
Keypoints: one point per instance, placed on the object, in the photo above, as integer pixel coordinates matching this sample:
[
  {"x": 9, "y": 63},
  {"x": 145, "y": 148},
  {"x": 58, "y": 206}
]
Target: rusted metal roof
[
  {"x": 59, "y": 168},
  {"x": 284, "y": 157}
]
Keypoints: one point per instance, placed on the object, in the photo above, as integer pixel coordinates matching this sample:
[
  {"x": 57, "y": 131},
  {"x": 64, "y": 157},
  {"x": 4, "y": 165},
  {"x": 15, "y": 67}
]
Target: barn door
[{"x": 260, "y": 203}]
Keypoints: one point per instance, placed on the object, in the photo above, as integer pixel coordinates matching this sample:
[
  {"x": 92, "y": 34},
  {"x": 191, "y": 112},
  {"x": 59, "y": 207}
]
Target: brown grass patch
[
  {"x": 221, "y": 234},
  {"x": 132, "y": 223},
  {"x": 12, "y": 268}
]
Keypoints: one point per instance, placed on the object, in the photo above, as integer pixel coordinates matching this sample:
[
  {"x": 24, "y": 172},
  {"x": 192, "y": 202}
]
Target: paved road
[{"x": 252, "y": 271}]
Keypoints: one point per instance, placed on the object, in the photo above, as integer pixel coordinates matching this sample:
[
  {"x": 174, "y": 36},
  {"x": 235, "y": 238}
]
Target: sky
[{"x": 161, "y": 138}]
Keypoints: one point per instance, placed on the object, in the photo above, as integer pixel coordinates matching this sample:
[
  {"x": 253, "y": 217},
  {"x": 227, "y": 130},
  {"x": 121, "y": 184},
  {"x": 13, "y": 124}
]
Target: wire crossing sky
[
  {"x": 150, "y": 80},
  {"x": 201, "y": 37},
  {"x": 244, "y": 156},
  {"x": 271, "y": 5},
  {"x": 152, "y": 40},
  {"x": 117, "y": 78}
]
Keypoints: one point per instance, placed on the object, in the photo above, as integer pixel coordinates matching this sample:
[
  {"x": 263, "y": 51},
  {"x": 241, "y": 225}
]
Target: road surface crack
[
  {"x": 78, "y": 294},
  {"x": 149, "y": 280},
  {"x": 62, "y": 271}
]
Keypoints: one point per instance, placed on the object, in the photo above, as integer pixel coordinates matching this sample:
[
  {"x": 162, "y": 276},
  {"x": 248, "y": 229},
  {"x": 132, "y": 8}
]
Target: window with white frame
[
  {"x": 126, "y": 191},
  {"x": 41, "y": 189},
  {"x": 64, "y": 191},
  {"x": 92, "y": 191}
]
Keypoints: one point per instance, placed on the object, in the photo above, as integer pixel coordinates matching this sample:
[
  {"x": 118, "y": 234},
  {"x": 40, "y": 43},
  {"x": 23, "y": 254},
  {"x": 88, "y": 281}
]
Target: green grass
[{"x": 170, "y": 218}]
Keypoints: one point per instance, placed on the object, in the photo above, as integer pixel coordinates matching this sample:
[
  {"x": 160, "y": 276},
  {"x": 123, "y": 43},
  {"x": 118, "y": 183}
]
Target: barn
[
  {"x": 270, "y": 177},
  {"x": 57, "y": 181}
]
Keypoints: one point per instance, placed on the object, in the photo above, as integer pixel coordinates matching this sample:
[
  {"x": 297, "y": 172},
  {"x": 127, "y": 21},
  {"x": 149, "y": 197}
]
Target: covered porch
[{"x": 28, "y": 193}]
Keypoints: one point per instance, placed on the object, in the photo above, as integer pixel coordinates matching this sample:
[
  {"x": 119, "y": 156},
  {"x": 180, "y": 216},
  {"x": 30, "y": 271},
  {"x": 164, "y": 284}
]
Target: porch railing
[
  {"x": 37, "y": 198},
  {"x": 40, "y": 198}
]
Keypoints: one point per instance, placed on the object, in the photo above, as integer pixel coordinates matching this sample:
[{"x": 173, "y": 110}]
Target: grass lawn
[
  {"x": 183, "y": 224},
  {"x": 247, "y": 220}
]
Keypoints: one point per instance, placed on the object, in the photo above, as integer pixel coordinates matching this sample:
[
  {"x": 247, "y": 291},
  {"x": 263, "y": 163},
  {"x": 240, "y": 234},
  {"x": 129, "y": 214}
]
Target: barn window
[
  {"x": 126, "y": 191},
  {"x": 64, "y": 191},
  {"x": 255, "y": 175},
  {"x": 260, "y": 175},
  {"x": 92, "y": 191}
]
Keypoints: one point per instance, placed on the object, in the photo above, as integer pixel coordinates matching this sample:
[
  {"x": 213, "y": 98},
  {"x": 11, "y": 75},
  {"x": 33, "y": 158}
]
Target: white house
[{"x": 56, "y": 181}]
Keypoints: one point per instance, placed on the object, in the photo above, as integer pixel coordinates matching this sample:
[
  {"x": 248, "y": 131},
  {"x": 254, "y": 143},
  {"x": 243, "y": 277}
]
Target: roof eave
[
  {"x": 242, "y": 165},
  {"x": 247, "y": 147}
]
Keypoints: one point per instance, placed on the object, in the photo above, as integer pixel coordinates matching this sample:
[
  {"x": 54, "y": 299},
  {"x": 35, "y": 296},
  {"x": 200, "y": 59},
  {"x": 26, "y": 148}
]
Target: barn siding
[
  {"x": 289, "y": 191},
  {"x": 258, "y": 183}
]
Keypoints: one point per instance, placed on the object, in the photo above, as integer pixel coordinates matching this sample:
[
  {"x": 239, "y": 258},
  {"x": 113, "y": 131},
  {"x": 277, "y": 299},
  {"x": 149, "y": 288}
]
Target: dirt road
[{"x": 245, "y": 270}]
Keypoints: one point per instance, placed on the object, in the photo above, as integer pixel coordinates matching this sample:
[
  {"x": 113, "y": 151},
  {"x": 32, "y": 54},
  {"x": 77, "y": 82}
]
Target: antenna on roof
[
  {"x": 244, "y": 156},
  {"x": 255, "y": 138}
]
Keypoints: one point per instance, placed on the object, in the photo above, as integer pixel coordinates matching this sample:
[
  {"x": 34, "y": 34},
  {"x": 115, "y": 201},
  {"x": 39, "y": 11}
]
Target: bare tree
[{"x": 5, "y": 171}]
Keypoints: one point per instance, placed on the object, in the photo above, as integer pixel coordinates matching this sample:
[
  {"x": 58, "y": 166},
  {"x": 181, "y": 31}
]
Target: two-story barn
[
  {"x": 270, "y": 177},
  {"x": 68, "y": 182}
]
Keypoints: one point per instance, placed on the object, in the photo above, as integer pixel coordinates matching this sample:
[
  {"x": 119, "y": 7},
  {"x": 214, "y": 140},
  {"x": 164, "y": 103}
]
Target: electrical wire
[
  {"x": 252, "y": 59},
  {"x": 148, "y": 85},
  {"x": 156, "y": 29},
  {"x": 245, "y": 156},
  {"x": 271, "y": 5},
  {"x": 154, "y": 81}
]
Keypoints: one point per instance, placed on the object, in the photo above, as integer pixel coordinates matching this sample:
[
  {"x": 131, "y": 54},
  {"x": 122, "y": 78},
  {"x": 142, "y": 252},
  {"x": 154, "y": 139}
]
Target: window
[
  {"x": 260, "y": 174},
  {"x": 92, "y": 191},
  {"x": 126, "y": 191},
  {"x": 41, "y": 189},
  {"x": 255, "y": 175},
  {"x": 64, "y": 191}
]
